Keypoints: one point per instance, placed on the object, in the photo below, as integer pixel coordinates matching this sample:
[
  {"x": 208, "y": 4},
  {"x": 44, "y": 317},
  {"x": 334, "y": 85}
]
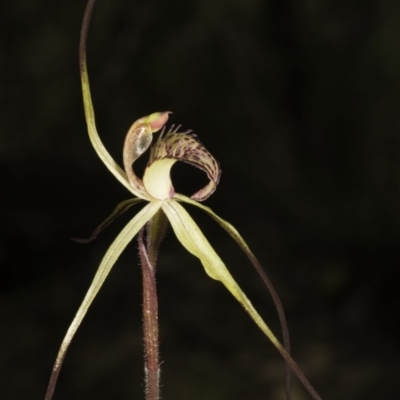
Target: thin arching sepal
[
  {"x": 113, "y": 253},
  {"x": 231, "y": 230},
  {"x": 101, "y": 151},
  {"x": 191, "y": 237}
]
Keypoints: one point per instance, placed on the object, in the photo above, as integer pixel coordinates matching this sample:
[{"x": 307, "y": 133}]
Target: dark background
[{"x": 298, "y": 101}]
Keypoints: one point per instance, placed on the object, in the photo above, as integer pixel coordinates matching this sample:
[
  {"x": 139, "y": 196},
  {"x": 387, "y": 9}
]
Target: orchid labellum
[{"x": 157, "y": 191}]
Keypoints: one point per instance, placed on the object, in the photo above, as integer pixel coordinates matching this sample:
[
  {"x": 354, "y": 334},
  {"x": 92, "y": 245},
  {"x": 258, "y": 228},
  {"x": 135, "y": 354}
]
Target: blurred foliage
[{"x": 299, "y": 102}]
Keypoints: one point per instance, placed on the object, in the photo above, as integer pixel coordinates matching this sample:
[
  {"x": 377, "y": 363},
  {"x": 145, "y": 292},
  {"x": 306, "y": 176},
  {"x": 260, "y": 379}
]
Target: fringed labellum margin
[{"x": 169, "y": 148}]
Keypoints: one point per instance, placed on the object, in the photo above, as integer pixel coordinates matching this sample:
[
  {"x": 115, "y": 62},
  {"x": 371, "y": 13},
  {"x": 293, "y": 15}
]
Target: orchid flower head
[
  {"x": 156, "y": 189},
  {"x": 169, "y": 148}
]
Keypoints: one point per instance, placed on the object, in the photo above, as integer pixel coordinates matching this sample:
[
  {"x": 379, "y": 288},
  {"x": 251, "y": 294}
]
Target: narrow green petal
[
  {"x": 224, "y": 224},
  {"x": 274, "y": 295},
  {"x": 113, "y": 253},
  {"x": 238, "y": 238},
  {"x": 191, "y": 237}
]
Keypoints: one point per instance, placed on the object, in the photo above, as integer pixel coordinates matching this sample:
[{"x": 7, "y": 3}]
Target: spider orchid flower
[{"x": 157, "y": 190}]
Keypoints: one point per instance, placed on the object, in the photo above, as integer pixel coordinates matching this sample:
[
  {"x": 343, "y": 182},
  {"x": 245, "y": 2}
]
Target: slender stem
[{"x": 150, "y": 323}]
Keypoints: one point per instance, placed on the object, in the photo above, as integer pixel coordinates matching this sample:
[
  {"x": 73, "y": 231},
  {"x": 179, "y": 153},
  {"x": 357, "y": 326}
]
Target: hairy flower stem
[
  {"x": 150, "y": 324},
  {"x": 148, "y": 257}
]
